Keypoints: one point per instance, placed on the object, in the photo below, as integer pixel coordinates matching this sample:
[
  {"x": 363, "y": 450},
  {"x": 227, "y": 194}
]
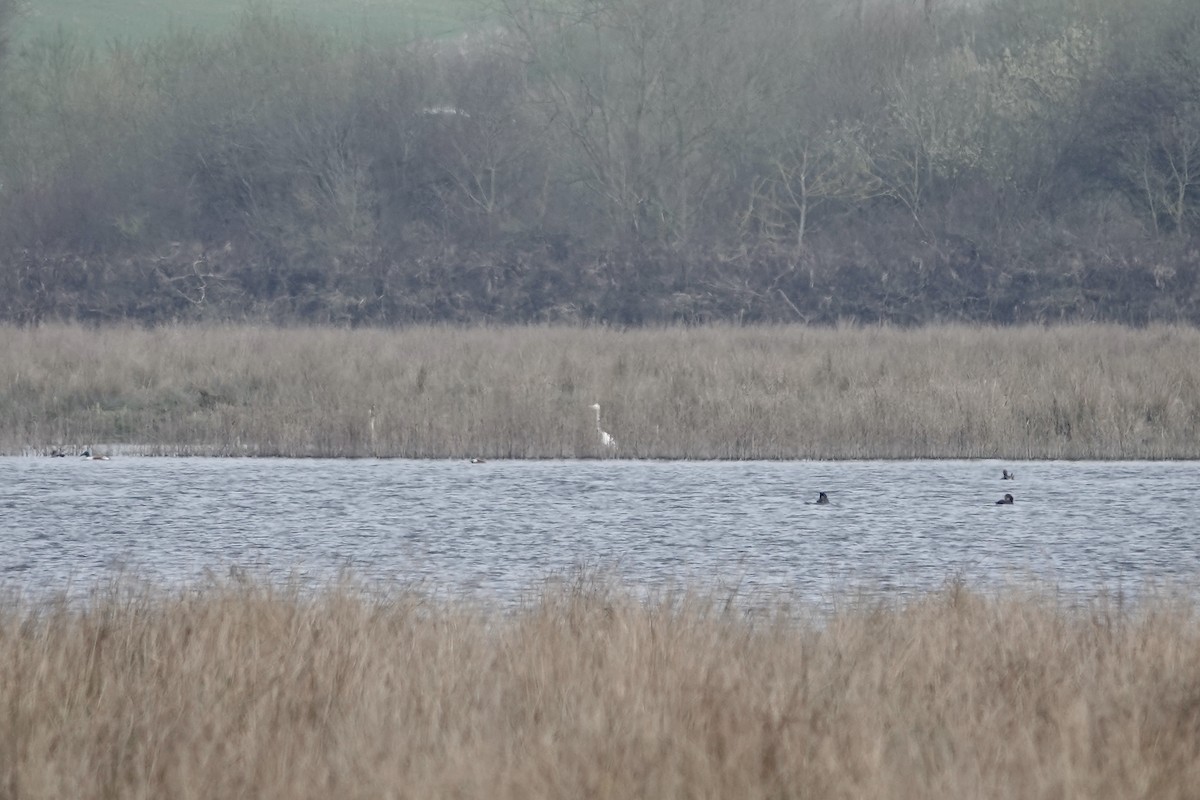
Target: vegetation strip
[
  {"x": 720, "y": 392},
  {"x": 240, "y": 689}
]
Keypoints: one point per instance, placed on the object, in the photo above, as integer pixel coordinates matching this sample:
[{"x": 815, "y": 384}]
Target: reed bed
[
  {"x": 1083, "y": 391},
  {"x": 244, "y": 689}
]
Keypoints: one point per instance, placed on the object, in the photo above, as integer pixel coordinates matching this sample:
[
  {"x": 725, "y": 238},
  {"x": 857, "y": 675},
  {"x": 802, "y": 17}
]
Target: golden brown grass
[
  {"x": 719, "y": 392},
  {"x": 250, "y": 690}
]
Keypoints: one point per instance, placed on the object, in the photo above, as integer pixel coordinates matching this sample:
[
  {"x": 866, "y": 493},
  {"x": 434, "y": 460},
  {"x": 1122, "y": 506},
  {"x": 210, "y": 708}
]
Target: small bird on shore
[
  {"x": 87, "y": 455},
  {"x": 1005, "y": 475},
  {"x": 1007, "y": 501}
]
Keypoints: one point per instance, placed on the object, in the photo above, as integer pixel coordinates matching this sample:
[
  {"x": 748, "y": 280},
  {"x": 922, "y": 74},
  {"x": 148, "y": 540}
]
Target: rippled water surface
[{"x": 500, "y": 527}]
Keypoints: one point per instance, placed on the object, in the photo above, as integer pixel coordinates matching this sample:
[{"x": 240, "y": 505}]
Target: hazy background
[{"x": 626, "y": 161}]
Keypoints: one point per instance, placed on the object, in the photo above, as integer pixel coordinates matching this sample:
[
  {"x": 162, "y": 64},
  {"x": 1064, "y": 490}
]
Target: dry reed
[
  {"x": 252, "y": 690},
  {"x": 1085, "y": 391}
]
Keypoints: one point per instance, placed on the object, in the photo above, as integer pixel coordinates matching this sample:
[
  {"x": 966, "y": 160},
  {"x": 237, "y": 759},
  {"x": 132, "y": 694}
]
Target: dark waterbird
[
  {"x": 1007, "y": 501},
  {"x": 1005, "y": 475},
  {"x": 822, "y": 500}
]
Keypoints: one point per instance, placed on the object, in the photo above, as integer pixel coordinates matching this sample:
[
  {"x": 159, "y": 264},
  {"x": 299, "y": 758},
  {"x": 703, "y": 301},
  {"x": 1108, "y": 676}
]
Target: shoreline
[
  {"x": 1075, "y": 392},
  {"x": 115, "y": 454}
]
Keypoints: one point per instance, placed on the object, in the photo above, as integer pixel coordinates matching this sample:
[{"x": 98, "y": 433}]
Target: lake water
[{"x": 496, "y": 529}]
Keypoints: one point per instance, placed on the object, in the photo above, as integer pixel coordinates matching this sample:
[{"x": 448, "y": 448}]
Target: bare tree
[
  {"x": 1164, "y": 163},
  {"x": 486, "y": 150},
  {"x": 807, "y": 173},
  {"x": 643, "y": 91}
]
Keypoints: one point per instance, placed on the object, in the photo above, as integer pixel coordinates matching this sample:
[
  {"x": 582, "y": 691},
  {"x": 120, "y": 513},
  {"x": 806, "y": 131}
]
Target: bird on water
[
  {"x": 1005, "y": 475},
  {"x": 822, "y": 500},
  {"x": 87, "y": 454},
  {"x": 1007, "y": 501},
  {"x": 606, "y": 441}
]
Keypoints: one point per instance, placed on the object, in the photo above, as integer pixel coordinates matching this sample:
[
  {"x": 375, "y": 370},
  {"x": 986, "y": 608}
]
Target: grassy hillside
[{"x": 135, "y": 20}]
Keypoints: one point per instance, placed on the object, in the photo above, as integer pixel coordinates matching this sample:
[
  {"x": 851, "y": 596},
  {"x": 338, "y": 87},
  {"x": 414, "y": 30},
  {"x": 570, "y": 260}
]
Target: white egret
[{"x": 606, "y": 440}]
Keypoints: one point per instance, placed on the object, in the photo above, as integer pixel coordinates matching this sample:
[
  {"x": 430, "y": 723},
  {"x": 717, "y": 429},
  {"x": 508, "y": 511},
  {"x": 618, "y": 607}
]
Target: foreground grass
[
  {"x": 244, "y": 690},
  {"x": 721, "y": 392}
]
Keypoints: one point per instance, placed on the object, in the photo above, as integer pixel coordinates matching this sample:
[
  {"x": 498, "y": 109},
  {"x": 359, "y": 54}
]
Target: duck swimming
[
  {"x": 87, "y": 455},
  {"x": 478, "y": 461},
  {"x": 1007, "y": 501},
  {"x": 1005, "y": 475},
  {"x": 822, "y": 499}
]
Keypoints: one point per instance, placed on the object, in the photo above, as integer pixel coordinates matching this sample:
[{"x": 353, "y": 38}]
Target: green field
[{"x": 133, "y": 20}]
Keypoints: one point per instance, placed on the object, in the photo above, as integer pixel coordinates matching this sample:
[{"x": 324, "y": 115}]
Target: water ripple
[{"x": 504, "y": 526}]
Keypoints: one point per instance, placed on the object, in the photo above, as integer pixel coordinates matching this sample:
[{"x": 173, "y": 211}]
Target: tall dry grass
[
  {"x": 1084, "y": 391},
  {"x": 247, "y": 690}
]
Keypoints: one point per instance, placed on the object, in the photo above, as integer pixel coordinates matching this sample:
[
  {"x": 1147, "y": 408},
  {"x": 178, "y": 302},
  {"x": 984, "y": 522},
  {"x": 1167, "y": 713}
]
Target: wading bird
[
  {"x": 1007, "y": 501},
  {"x": 606, "y": 441}
]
